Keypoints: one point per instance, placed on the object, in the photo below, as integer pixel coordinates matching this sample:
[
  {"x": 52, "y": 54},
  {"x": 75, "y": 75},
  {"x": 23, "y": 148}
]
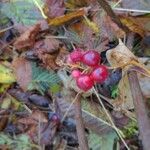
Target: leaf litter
[{"x": 37, "y": 91}]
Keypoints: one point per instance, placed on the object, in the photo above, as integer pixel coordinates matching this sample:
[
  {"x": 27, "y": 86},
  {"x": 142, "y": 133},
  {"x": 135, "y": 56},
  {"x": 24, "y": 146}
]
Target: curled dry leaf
[
  {"x": 49, "y": 50},
  {"x": 133, "y": 26},
  {"x": 23, "y": 72},
  {"x": 121, "y": 56},
  {"x": 27, "y": 39},
  {"x": 54, "y": 8},
  {"x": 68, "y": 17}
]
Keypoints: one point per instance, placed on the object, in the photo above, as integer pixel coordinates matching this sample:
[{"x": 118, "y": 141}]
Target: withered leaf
[
  {"x": 114, "y": 27},
  {"x": 23, "y": 71},
  {"x": 133, "y": 26},
  {"x": 34, "y": 118},
  {"x": 27, "y": 39},
  {"x": 47, "y": 46},
  {"x": 68, "y": 17}
]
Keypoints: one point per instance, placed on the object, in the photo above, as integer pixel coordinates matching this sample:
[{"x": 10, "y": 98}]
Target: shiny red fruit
[
  {"x": 76, "y": 73},
  {"x": 76, "y": 55},
  {"x": 91, "y": 58},
  {"x": 99, "y": 74},
  {"x": 84, "y": 82}
]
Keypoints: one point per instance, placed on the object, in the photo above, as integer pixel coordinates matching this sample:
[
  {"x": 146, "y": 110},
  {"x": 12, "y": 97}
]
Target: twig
[
  {"x": 120, "y": 134},
  {"x": 66, "y": 113},
  {"x": 139, "y": 102},
  {"x": 140, "y": 108},
  {"x": 131, "y": 10},
  {"x": 83, "y": 143},
  {"x": 113, "y": 16},
  {"x": 40, "y": 8}
]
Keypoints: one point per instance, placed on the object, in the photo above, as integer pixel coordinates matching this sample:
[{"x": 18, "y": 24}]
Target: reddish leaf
[
  {"x": 27, "y": 39},
  {"x": 54, "y": 8},
  {"x": 23, "y": 72}
]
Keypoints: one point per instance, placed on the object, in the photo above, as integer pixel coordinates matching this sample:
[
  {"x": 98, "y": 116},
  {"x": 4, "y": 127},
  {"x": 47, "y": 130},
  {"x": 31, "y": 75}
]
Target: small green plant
[
  {"x": 131, "y": 129},
  {"x": 20, "y": 142}
]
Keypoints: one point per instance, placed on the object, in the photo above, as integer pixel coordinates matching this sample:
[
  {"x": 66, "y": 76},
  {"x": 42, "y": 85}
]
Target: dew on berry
[
  {"x": 91, "y": 58},
  {"x": 84, "y": 82},
  {"x": 99, "y": 74}
]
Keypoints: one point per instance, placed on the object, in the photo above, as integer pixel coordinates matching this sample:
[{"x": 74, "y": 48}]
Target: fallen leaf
[
  {"x": 27, "y": 39},
  {"x": 131, "y": 24},
  {"x": 124, "y": 99},
  {"x": 113, "y": 27},
  {"x": 48, "y": 45},
  {"x": 34, "y": 118},
  {"x": 68, "y": 17},
  {"x": 6, "y": 74},
  {"x": 23, "y": 72},
  {"x": 54, "y": 8}
]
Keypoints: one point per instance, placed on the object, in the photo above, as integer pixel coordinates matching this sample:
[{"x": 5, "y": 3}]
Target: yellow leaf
[
  {"x": 134, "y": 27},
  {"x": 92, "y": 25},
  {"x": 6, "y": 75},
  {"x": 65, "y": 18}
]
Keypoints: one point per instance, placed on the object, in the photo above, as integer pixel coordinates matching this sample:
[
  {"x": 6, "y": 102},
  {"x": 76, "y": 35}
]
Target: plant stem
[
  {"x": 104, "y": 4},
  {"x": 140, "y": 108},
  {"x": 83, "y": 143}
]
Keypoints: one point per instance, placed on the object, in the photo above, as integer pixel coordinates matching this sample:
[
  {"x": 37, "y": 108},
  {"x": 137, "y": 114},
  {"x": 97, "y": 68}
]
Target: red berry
[
  {"x": 91, "y": 58},
  {"x": 76, "y": 73},
  {"x": 69, "y": 60},
  {"x": 76, "y": 55},
  {"x": 99, "y": 74},
  {"x": 84, "y": 82}
]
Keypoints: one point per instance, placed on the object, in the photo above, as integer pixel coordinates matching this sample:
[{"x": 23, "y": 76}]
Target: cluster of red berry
[{"x": 97, "y": 73}]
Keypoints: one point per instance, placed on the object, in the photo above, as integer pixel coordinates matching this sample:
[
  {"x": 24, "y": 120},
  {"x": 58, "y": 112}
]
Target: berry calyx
[
  {"x": 99, "y": 74},
  {"x": 54, "y": 117},
  {"x": 76, "y": 55},
  {"x": 76, "y": 73},
  {"x": 91, "y": 58},
  {"x": 84, "y": 82}
]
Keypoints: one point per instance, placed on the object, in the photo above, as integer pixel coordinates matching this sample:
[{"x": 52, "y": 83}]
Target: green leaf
[
  {"x": 104, "y": 142},
  {"x": 6, "y": 75},
  {"x": 114, "y": 91},
  {"x": 42, "y": 79},
  {"x": 22, "y": 11}
]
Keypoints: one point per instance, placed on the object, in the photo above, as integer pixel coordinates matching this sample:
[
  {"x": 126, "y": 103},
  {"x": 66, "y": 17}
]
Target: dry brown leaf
[
  {"x": 27, "y": 39},
  {"x": 52, "y": 61},
  {"x": 133, "y": 26},
  {"x": 120, "y": 55},
  {"x": 54, "y": 8},
  {"x": 23, "y": 72},
  {"x": 34, "y": 118},
  {"x": 124, "y": 99},
  {"x": 119, "y": 33},
  {"x": 68, "y": 17},
  {"x": 48, "y": 45}
]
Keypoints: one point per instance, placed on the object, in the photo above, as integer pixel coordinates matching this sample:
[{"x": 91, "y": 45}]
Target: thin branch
[
  {"x": 83, "y": 142},
  {"x": 120, "y": 134},
  {"x": 140, "y": 108},
  {"x": 139, "y": 102},
  {"x": 113, "y": 16}
]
